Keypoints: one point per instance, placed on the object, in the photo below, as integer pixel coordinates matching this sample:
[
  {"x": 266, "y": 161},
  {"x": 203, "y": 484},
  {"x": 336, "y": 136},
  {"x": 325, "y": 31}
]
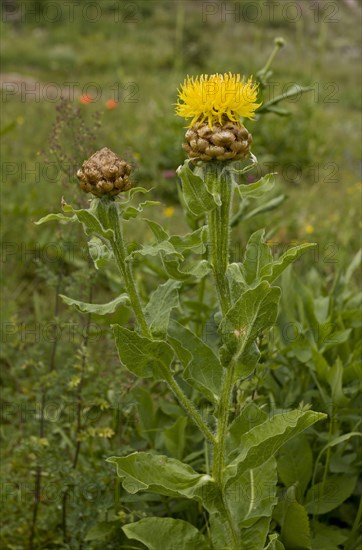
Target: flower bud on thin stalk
[{"x": 105, "y": 175}]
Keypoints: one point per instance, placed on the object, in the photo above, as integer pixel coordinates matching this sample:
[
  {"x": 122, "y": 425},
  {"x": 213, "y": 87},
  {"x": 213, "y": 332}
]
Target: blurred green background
[{"x": 119, "y": 65}]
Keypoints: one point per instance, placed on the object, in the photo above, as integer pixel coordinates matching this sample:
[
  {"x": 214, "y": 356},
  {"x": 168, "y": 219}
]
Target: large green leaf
[
  {"x": 329, "y": 494},
  {"x": 174, "y": 437},
  {"x": 202, "y": 369},
  {"x": 255, "y": 311},
  {"x": 159, "y": 307},
  {"x": 328, "y": 537},
  {"x": 293, "y": 519},
  {"x": 254, "y": 537},
  {"x": 252, "y": 495},
  {"x": 160, "y": 474},
  {"x": 250, "y": 416},
  {"x": 142, "y": 356},
  {"x": 295, "y": 463},
  {"x": 264, "y": 440},
  {"x": 196, "y": 195},
  {"x": 166, "y": 534},
  {"x": 146, "y": 408},
  {"x": 98, "y": 309}
]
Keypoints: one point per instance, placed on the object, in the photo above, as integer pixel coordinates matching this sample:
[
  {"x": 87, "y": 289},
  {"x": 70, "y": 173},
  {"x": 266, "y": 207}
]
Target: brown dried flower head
[
  {"x": 104, "y": 173},
  {"x": 226, "y": 141}
]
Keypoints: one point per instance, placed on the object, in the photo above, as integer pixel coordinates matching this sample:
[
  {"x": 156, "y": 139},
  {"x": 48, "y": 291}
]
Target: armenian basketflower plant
[{"x": 237, "y": 486}]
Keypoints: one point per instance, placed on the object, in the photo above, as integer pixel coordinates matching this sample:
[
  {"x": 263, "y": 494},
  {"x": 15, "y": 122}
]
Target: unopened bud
[{"x": 104, "y": 173}]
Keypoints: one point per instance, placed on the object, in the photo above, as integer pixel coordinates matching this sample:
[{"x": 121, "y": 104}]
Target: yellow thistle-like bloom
[{"x": 217, "y": 97}]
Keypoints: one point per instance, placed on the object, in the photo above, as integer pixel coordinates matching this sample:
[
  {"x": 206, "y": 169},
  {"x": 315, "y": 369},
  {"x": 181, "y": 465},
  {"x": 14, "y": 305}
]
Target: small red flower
[
  {"x": 111, "y": 104},
  {"x": 85, "y": 99}
]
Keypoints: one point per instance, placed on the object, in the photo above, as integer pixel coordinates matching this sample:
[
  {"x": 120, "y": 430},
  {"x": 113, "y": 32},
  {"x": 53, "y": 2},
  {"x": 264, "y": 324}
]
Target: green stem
[
  {"x": 120, "y": 253},
  {"x": 219, "y": 234},
  {"x": 223, "y": 417},
  {"x": 189, "y": 407}
]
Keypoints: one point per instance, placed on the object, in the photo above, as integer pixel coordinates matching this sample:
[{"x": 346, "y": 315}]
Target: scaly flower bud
[
  {"x": 228, "y": 141},
  {"x": 104, "y": 173}
]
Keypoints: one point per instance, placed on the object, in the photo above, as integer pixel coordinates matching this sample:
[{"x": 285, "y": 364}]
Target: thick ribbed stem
[{"x": 219, "y": 234}]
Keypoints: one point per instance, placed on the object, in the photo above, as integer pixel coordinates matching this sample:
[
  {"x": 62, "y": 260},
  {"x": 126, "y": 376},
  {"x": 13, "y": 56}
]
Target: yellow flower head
[{"x": 217, "y": 96}]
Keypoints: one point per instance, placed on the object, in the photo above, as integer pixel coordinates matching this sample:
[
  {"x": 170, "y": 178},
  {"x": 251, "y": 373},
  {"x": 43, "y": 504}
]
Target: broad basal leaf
[
  {"x": 166, "y": 534},
  {"x": 293, "y": 519},
  {"x": 326, "y": 496},
  {"x": 255, "y": 311},
  {"x": 295, "y": 463},
  {"x": 202, "y": 369},
  {"x": 142, "y": 356},
  {"x": 98, "y": 309},
  {"x": 328, "y": 537}
]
